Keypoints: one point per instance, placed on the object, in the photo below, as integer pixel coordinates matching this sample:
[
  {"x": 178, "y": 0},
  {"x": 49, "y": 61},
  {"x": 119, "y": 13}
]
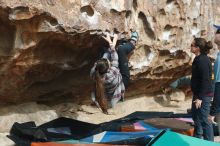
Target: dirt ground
[{"x": 87, "y": 113}]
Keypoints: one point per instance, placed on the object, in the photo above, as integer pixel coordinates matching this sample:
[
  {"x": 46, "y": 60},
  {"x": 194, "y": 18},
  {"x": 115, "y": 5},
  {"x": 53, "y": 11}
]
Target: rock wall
[
  {"x": 216, "y": 9},
  {"x": 47, "y": 47}
]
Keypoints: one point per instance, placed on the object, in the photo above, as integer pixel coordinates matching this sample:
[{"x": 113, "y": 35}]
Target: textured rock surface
[
  {"x": 216, "y": 5},
  {"x": 47, "y": 47}
]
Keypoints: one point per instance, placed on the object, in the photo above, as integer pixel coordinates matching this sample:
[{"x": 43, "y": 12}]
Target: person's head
[
  {"x": 217, "y": 38},
  {"x": 102, "y": 66},
  {"x": 201, "y": 46}
]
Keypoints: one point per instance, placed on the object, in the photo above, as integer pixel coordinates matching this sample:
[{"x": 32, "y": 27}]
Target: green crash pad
[{"x": 169, "y": 138}]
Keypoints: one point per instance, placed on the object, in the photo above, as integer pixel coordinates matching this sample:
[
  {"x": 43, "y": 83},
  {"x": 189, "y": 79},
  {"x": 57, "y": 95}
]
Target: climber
[
  {"x": 109, "y": 86},
  {"x": 125, "y": 50}
]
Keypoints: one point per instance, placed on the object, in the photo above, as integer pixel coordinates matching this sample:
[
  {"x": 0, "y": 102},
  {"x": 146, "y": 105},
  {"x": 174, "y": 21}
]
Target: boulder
[{"x": 48, "y": 47}]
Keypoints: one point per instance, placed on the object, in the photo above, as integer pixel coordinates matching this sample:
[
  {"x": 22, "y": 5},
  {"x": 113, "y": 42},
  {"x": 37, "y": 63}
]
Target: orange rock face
[{"x": 48, "y": 47}]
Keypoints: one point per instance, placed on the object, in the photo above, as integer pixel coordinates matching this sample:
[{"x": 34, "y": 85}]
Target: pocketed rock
[{"x": 48, "y": 47}]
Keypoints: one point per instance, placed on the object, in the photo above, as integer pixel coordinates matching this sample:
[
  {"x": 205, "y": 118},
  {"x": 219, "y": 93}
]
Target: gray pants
[{"x": 202, "y": 127}]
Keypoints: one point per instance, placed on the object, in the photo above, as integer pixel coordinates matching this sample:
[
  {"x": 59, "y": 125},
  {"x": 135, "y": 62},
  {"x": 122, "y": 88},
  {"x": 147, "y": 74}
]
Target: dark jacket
[{"x": 201, "y": 81}]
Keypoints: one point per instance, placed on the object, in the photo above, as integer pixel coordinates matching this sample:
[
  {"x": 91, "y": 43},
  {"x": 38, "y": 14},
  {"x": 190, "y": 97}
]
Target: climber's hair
[
  {"x": 102, "y": 67},
  {"x": 203, "y": 45}
]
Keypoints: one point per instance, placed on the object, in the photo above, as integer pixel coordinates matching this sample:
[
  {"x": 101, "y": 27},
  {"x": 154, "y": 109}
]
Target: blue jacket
[
  {"x": 217, "y": 68},
  {"x": 215, "y": 108}
]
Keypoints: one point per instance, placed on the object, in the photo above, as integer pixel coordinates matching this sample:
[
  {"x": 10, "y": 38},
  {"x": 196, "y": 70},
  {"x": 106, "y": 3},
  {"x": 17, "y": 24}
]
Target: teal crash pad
[{"x": 169, "y": 138}]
